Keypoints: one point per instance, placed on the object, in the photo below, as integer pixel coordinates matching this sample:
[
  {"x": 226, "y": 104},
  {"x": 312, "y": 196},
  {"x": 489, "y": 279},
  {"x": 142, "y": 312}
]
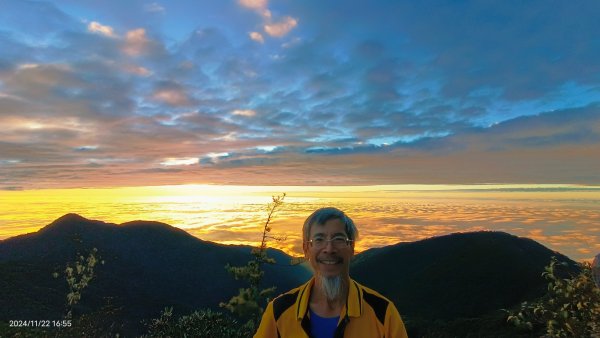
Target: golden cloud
[
  {"x": 96, "y": 27},
  {"x": 280, "y": 29}
]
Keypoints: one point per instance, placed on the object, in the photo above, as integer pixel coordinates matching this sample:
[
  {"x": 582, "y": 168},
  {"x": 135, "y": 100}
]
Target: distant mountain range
[{"x": 151, "y": 265}]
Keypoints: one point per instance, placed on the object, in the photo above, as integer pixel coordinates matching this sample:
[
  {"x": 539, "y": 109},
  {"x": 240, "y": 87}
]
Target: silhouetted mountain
[
  {"x": 148, "y": 265},
  {"x": 443, "y": 286},
  {"x": 463, "y": 275}
]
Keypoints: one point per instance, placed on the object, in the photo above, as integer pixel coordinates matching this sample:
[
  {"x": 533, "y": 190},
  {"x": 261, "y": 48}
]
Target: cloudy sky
[{"x": 127, "y": 92}]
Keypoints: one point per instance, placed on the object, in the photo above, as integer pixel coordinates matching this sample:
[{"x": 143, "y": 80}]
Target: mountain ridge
[
  {"x": 480, "y": 271},
  {"x": 150, "y": 265}
]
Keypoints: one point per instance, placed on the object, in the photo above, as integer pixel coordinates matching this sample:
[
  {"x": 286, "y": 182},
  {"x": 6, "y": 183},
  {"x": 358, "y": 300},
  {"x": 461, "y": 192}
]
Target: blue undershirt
[{"x": 322, "y": 327}]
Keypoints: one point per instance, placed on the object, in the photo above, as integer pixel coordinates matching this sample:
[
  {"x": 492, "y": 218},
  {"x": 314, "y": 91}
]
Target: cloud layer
[
  {"x": 565, "y": 219},
  {"x": 305, "y": 93}
]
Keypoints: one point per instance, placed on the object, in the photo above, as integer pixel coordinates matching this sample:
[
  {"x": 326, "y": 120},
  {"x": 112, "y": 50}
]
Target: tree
[
  {"x": 247, "y": 303},
  {"x": 571, "y": 308},
  {"x": 78, "y": 276}
]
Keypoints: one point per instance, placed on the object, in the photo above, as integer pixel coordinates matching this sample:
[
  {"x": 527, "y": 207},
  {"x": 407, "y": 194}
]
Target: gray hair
[
  {"x": 321, "y": 216},
  {"x": 332, "y": 286}
]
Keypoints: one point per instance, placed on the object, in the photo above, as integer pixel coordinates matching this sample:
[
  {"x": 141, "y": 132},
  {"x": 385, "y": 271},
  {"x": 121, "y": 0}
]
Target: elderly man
[{"x": 330, "y": 304}]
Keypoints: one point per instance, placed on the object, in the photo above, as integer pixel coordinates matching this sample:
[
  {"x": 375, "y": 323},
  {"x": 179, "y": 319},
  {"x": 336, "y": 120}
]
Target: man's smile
[{"x": 330, "y": 261}]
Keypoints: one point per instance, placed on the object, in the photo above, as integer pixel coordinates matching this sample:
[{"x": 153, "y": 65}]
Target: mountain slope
[
  {"x": 148, "y": 265},
  {"x": 458, "y": 275}
]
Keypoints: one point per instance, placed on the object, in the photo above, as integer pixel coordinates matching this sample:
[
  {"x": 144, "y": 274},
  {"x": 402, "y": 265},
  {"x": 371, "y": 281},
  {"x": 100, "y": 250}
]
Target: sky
[{"x": 253, "y": 92}]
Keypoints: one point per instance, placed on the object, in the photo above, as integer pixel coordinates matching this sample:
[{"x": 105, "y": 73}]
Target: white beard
[{"x": 332, "y": 286}]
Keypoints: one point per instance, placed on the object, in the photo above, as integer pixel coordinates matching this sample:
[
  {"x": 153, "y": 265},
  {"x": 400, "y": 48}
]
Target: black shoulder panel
[
  {"x": 378, "y": 304},
  {"x": 282, "y": 303}
]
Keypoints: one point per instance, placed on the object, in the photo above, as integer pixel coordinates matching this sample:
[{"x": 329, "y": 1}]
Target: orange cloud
[
  {"x": 244, "y": 112},
  {"x": 138, "y": 70},
  {"x": 274, "y": 29},
  {"x": 96, "y": 27},
  {"x": 174, "y": 97},
  {"x": 281, "y": 28},
  {"x": 257, "y": 37},
  {"x": 136, "y": 42}
]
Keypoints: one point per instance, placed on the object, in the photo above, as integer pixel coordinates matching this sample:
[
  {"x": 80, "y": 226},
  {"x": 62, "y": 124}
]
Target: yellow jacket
[{"x": 366, "y": 314}]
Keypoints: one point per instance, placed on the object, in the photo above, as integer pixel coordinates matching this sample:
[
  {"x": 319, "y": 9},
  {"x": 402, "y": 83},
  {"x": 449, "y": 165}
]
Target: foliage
[
  {"x": 492, "y": 324},
  {"x": 571, "y": 307},
  {"x": 203, "y": 323},
  {"x": 105, "y": 322},
  {"x": 78, "y": 276},
  {"x": 247, "y": 304}
]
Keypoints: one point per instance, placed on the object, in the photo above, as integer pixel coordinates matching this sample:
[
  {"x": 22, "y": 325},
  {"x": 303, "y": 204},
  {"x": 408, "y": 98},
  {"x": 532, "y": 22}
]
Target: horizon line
[{"x": 366, "y": 187}]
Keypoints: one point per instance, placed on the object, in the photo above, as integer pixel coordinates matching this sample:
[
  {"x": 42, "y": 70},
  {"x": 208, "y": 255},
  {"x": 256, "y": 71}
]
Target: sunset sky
[
  {"x": 419, "y": 118},
  {"x": 253, "y": 92}
]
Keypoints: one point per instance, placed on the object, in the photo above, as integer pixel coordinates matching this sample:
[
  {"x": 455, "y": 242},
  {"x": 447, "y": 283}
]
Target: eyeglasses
[{"x": 338, "y": 242}]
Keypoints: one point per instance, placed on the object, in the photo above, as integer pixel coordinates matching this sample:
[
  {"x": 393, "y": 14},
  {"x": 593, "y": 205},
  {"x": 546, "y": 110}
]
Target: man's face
[{"x": 330, "y": 260}]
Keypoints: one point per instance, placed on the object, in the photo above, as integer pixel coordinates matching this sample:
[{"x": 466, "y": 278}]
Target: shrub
[
  {"x": 202, "y": 323},
  {"x": 571, "y": 308}
]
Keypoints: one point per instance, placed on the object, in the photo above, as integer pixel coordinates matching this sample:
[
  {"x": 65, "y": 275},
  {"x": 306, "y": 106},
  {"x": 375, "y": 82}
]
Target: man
[{"x": 331, "y": 304}]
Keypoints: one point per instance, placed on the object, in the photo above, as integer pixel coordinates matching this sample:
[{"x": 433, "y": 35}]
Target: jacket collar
[{"x": 353, "y": 307}]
